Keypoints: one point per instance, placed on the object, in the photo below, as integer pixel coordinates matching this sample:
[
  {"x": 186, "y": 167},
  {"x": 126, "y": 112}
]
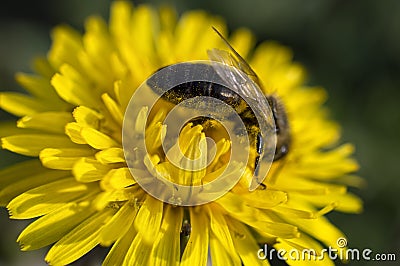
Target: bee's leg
[
  {"x": 256, "y": 162},
  {"x": 259, "y": 150}
]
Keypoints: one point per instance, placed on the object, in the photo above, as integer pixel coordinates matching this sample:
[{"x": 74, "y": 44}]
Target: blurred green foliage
[{"x": 350, "y": 47}]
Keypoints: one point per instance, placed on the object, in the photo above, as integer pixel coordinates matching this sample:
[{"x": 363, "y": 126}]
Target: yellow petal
[
  {"x": 220, "y": 149},
  {"x": 97, "y": 139},
  {"x": 123, "y": 91},
  {"x": 236, "y": 207},
  {"x": 133, "y": 55},
  {"x": 269, "y": 61},
  {"x": 66, "y": 44},
  {"x": 32, "y": 144},
  {"x": 186, "y": 44},
  {"x": 148, "y": 219},
  {"x": 44, "y": 199},
  {"x": 154, "y": 136},
  {"x": 303, "y": 242},
  {"x": 117, "y": 179},
  {"x": 119, "y": 224},
  {"x": 103, "y": 199},
  {"x": 42, "y": 66},
  {"x": 138, "y": 252},
  {"x": 320, "y": 229},
  {"x": 51, "y": 227},
  {"x": 89, "y": 170},
  {"x": 21, "y": 105},
  {"x": 47, "y": 121},
  {"x": 10, "y": 128},
  {"x": 166, "y": 246},
  {"x": 312, "y": 97},
  {"x": 298, "y": 184},
  {"x": 73, "y": 131},
  {"x": 190, "y": 154},
  {"x": 40, "y": 87},
  {"x": 301, "y": 251},
  {"x": 343, "y": 202},
  {"x": 120, "y": 247},
  {"x": 351, "y": 180},
  {"x": 168, "y": 17},
  {"x": 292, "y": 212},
  {"x": 265, "y": 199},
  {"x": 20, "y": 171},
  {"x": 27, "y": 182},
  {"x": 120, "y": 16},
  {"x": 327, "y": 165},
  {"x": 87, "y": 117},
  {"x": 74, "y": 88},
  {"x": 111, "y": 155},
  {"x": 140, "y": 123},
  {"x": 97, "y": 41},
  {"x": 143, "y": 16},
  {"x": 79, "y": 241},
  {"x": 219, "y": 256},
  {"x": 114, "y": 108},
  {"x": 221, "y": 244},
  {"x": 300, "y": 258},
  {"x": 63, "y": 159},
  {"x": 196, "y": 251},
  {"x": 245, "y": 244}
]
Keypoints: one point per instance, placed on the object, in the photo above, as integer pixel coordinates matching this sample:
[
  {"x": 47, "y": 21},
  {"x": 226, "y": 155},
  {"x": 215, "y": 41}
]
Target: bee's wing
[
  {"x": 232, "y": 72},
  {"x": 235, "y": 60},
  {"x": 241, "y": 77},
  {"x": 240, "y": 72}
]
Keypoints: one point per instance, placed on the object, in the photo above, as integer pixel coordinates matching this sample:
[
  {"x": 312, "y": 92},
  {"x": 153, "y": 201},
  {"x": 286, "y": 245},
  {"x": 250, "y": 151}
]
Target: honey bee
[{"x": 234, "y": 60}]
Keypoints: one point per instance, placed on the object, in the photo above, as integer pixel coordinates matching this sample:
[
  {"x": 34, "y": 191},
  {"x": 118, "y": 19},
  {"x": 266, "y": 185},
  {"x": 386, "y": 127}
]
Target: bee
[
  {"x": 185, "y": 232},
  {"x": 186, "y": 228},
  {"x": 233, "y": 59}
]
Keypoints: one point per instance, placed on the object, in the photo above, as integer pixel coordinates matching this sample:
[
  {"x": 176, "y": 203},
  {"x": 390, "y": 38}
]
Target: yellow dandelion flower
[{"x": 82, "y": 192}]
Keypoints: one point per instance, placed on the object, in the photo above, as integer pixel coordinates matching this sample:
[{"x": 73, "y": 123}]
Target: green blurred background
[{"x": 352, "y": 48}]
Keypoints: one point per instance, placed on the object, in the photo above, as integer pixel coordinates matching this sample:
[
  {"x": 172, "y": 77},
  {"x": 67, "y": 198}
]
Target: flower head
[{"x": 81, "y": 191}]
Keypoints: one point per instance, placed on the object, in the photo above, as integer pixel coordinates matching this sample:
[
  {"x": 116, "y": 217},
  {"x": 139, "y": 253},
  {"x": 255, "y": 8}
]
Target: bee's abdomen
[{"x": 193, "y": 89}]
